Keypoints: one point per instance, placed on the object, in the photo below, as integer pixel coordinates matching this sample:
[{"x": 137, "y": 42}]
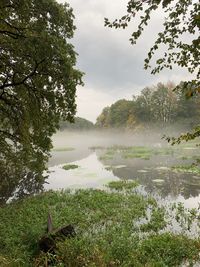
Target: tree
[
  {"x": 164, "y": 102},
  {"x": 143, "y": 110},
  {"x": 182, "y": 19},
  {"x": 156, "y": 107},
  {"x": 38, "y": 82},
  {"x": 119, "y": 113},
  {"x": 80, "y": 124},
  {"x": 103, "y": 118}
]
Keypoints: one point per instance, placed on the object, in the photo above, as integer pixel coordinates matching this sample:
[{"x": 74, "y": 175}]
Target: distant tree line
[
  {"x": 155, "y": 106},
  {"x": 78, "y": 124}
]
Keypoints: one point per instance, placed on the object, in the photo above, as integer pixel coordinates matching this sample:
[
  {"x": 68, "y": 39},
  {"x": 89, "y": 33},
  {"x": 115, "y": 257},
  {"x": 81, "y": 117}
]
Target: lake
[
  {"x": 99, "y": 158},
  {"x": 156, "y": 166}
]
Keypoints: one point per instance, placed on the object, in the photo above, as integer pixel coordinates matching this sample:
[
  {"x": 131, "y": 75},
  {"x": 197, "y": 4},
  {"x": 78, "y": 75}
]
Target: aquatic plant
[
  {"x": 190, "y": 169},
  {"x": 106, "y": 227},
  {"x": 70, "y": 167},
  {"x": 62, "y": 149},
  {"x": 122, "y": 185}
]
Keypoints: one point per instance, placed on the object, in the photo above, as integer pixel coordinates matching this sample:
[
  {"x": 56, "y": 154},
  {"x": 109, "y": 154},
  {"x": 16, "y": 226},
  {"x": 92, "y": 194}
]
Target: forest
[{"x": 157, "y": 106}]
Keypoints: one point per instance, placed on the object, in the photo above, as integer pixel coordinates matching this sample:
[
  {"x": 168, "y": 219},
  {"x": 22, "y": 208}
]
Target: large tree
[
  {"x": 38, "y": 82},
  {"x": 180, "y": 36}
]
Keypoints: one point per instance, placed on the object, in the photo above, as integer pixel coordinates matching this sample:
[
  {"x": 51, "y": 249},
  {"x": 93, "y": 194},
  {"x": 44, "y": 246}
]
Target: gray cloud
[{"x": 112, "y": 65}]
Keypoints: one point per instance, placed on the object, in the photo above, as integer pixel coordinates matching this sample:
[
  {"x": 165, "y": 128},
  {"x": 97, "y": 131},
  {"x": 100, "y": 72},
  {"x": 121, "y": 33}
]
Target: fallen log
[{"x": 47, "y": 243}]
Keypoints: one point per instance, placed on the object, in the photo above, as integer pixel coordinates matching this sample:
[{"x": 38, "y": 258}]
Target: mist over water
[
  {"x": 106, "y": 155},
  {"x": 81, "y": 142},
  {"x": 103, "y": 156}
]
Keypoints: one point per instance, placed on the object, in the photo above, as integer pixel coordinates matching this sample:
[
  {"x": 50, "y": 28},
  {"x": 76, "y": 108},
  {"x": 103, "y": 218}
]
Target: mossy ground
[{"x": 106, "y": 223}]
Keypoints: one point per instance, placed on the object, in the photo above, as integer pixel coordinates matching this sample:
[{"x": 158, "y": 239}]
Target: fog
[
  {"x": 148, "y": 158},
  {"x": 82, "y": 139},
  {"x": 78, "y": 139},
  {"x": 69, "y": 146}
]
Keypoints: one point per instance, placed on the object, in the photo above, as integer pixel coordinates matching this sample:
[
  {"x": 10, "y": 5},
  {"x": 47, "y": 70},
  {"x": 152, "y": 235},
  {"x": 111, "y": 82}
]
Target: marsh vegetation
[
  {"x": 132, "y": 201},
  {"x": 115, "y": 227}
]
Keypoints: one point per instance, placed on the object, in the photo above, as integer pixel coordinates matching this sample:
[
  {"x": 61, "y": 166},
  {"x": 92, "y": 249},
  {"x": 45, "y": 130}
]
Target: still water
[
  {"x": 101, "y": 159},
  {"x": 153, "y": 171}
]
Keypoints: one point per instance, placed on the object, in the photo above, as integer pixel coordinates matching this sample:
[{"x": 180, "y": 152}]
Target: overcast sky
[{"x": 113, "y": 67}]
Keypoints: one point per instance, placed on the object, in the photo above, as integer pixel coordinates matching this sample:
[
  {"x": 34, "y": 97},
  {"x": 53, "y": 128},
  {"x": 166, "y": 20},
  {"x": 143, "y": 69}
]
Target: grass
[
  {"x": 70, "y": 167},
  {"x": 107, "y": 230}
]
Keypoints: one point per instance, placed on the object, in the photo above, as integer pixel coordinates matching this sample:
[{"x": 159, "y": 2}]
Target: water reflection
[
  {"x": 154, "y": 174},
  {"x": 89, "y": 174}
]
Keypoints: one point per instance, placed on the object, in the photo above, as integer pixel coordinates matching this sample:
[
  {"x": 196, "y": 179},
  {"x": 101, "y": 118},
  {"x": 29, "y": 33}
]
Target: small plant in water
[
  {"x": 62, "y": 149},
  {"x": 122, "y": 185},
  {"x": 190, "y": 169},
  {"x": 70, "y": 167}
]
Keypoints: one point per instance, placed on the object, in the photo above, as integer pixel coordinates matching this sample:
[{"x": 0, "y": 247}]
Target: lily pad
[
  {"x": 142, "y": 171},
  {"x": 162, "y": 168}
]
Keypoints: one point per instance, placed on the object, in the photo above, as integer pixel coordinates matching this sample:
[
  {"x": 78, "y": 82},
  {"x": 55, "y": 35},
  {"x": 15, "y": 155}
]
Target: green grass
[
  {"x": 70, "y": 167},
  {"x": 107, "y": 230}
]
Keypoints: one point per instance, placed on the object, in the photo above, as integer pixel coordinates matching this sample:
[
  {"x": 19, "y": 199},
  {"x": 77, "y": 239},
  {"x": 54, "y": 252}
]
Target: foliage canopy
[
  {"x": 38, "y": 82},
  {"x": 79, "y": 124}
]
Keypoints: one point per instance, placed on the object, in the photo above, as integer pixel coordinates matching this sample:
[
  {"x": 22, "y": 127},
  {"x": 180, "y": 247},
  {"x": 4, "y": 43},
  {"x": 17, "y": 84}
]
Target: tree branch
[{"x": 33, "y": 72}]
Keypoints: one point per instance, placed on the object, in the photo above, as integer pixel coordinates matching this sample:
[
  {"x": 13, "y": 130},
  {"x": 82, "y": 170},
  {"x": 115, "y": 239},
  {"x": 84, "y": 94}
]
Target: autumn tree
[
  {"x": 156, "y": 106},
  {"x": 102, "y": 120},
  {"x": 38, "y": 82}
]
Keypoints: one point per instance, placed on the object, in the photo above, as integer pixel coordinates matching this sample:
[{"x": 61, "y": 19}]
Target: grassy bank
[{"x": 113, "y": 229}]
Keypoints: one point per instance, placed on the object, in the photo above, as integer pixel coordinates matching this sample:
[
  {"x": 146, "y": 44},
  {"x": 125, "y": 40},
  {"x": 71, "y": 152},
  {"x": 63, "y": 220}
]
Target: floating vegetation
[
  {"x": 187, "y": 169},
  {"x": 70, "y": 167},
  {"x": 62, "y": 149},
  {"x": 142, "y": 171},
  {"x": 97, "y": 147},
  {"x": 122, "y": 185},
  {"x": 110, "y": 168},
  {"x": 119, "y": 166},
  {"x": 162, "y": 168},
  {"x": 158, "y": 181},
  {"x": 106, "y": 157},
  {"x": 141, "y": 152}
]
